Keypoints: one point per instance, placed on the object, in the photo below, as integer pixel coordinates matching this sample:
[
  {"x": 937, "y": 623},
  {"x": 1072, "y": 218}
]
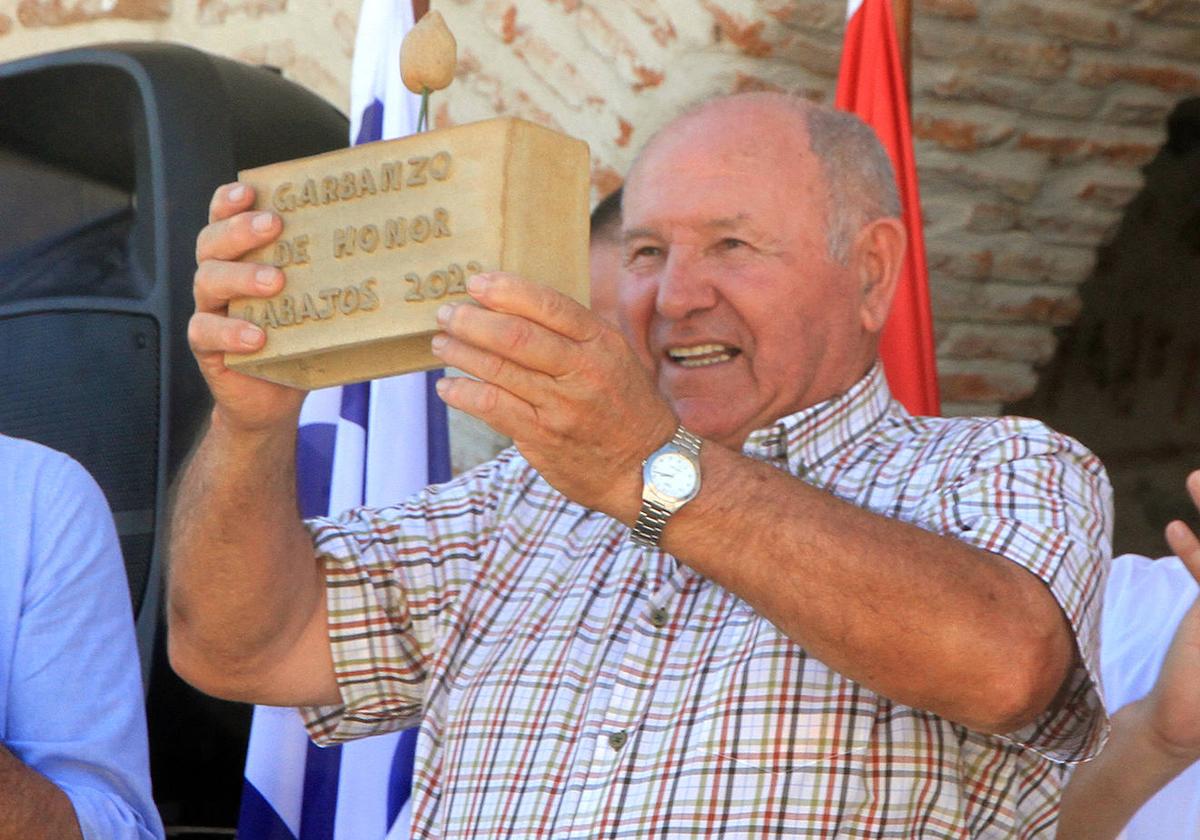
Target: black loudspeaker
[{"x": 108, "y": 158}]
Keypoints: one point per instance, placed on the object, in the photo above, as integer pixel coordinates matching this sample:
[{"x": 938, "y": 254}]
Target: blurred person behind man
[
  {"x": 73, "y": 755},
  {"x": 604, "y": 255},
  {"x": 1146, "y": 780}
]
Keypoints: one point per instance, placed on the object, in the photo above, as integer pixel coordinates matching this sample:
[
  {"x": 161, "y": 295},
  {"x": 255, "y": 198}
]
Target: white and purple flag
[{"x": 373, "y": 443}]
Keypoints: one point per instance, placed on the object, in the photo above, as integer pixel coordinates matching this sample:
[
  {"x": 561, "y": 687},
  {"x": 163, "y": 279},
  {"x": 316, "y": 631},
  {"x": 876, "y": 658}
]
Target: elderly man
[{"x": 723, "y": 584}]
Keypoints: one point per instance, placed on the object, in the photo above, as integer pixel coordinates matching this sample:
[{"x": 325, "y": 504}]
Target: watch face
[{"x": 673, "y": 474}]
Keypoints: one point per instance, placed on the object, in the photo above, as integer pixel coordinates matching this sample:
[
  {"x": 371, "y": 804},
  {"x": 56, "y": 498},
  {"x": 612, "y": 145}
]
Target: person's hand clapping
[
  {"x": 1172, "y": 707},
  {"x": 234, "y": 230}
]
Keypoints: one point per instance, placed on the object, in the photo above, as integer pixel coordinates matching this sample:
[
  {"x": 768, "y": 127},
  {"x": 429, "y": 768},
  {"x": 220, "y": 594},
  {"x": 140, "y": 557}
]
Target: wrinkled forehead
[{"x": 725, "y": 164}]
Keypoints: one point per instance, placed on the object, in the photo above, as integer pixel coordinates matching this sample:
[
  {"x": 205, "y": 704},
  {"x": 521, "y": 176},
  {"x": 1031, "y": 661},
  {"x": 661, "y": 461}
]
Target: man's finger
[
  {"x": 229, "y": 199},
  {"x": 219, "y": 282},
  {"x": 1193, "y": 486},
  {"x": 233, "y": 238},
  {"x": 549, "y": 307},
  {"x": 525, "y": 342},
  {"x": 1184, "y": 543},
  {"x": 490, "y": 367},
  {"x": 504, "y": 412},
  {"x": 209, "y": 333}
]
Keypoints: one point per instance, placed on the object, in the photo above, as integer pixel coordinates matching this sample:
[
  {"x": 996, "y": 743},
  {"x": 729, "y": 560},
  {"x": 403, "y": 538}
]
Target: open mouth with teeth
[{"x": 701, "y": 355}]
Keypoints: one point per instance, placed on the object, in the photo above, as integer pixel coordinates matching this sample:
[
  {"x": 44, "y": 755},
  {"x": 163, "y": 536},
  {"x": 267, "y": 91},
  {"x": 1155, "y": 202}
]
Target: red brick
[
  {"x": 614, "y": 45},
  {"x": 1076, "y": 25},
  {"x": 995, "y": 302},
  {"x": 1170, "y": 78},
  {"x": 1015, "y": 175},
  {"x": 958, "y": 135},
  {"x": 1066, "y": 99},
  {"x": 964, "y": 262},
  {"x": 605, "y": 179},
  {"x": 441, "y": 116},
  {"x": 993, "y": 217},
  {"x": 626, "y": 128},
  {"x": 1022, "y": 259},
  {"x": 1169, "y": 11},
  {"x": 809, "y": 14},
  {"x": 1087, "y": 226},
  {"x": 545, "y": 60},
  {"x": 647, "y": 78},
  {"x": 1042, "y": 308},
  {"x": 1027, "y": 58},
  {"x": 1109, "y": 195},
  {"x": 1073, "y": 149},
  {"x": 937, "y": 40},
  {"x": 746, "y": 83},
  {"x": 508, "y": 28},
  {"x": 953, "y": 9},
  {"x": 1141, "y": 108},
  {"x": 1008, "y": 384},
  {"x": 1059, "y": 99},
  {"x": 747, "y": 37},
  {"x": 992, "y": 341},
  {"x": 36, "y": 13},
  {"x": 659, "y": 22},
  {"x": 527, "y": 109}
]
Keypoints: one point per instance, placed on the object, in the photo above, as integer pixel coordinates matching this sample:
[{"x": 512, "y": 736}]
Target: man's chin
[{"x": 708, "y": 416}]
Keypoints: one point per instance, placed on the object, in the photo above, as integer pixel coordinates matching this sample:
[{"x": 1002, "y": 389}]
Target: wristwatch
[{"x": 670, "y": 479}]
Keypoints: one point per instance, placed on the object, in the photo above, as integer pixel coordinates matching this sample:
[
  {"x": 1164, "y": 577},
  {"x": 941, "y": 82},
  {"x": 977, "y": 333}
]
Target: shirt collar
[{"x": 809, "y": 437}]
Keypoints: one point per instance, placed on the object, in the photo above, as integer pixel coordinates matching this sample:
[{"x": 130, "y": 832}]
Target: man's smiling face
[{"x": 728, "y": 290}]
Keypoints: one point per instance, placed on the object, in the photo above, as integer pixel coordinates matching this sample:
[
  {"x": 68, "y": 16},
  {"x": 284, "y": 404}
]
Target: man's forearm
[
  {"x": 1105, "y": 793},
  {"x": 31, "y": 806},
  {"x": 923, "y": 619},
  {"x": 244, "y": 585}
]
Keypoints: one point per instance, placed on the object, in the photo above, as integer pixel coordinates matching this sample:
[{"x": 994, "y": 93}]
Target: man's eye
[
  {"x": 645, "y": 251},
  {"x": 730, "y": 244}
]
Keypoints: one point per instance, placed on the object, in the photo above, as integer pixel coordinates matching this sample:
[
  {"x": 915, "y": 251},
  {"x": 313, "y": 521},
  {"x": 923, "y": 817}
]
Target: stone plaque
[{"x": 377, "y": 237}]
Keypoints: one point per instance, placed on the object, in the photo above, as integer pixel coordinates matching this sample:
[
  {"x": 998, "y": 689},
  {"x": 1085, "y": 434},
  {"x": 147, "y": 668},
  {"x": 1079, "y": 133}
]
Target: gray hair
[{"x": 858, "y": 175}]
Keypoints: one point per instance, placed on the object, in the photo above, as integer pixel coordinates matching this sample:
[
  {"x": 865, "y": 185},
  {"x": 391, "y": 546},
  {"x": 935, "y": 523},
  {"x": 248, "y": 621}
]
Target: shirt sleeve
[
  {"x": 1040, "y": 499},
  {"x": 393, "y": 577},
  {"x": 75, "y": 703}
]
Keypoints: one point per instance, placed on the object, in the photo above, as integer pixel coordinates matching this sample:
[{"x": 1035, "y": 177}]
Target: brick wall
[
  {"x": 310, "y": 40},
  {"x": 1032, "y": 119}
]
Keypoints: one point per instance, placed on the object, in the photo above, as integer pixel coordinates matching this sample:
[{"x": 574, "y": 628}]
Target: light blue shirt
[{"x": 71, "y": 703}]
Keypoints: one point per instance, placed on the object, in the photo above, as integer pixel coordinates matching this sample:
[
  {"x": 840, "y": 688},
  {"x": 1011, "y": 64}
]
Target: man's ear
[{"x": 878, "y": 260}]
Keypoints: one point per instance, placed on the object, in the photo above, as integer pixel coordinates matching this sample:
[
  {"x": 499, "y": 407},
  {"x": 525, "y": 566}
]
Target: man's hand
[
  {"x": 233, "y": 231},
  {"x": 561, "y": 383},
  {"x": 1173, "y": 712}
]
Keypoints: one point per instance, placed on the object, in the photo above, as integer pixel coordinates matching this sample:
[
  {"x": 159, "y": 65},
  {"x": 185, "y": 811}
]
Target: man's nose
[{"x": 684, "y": 287}]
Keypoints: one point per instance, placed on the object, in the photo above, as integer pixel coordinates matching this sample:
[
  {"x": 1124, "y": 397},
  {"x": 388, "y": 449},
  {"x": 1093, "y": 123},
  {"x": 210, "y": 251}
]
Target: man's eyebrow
[
  {"x": 723, "y": 223},
  {"x": 636, "y": 233}
]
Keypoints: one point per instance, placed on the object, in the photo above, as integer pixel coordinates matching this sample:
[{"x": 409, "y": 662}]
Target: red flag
[{"x": 871, "y": 84}]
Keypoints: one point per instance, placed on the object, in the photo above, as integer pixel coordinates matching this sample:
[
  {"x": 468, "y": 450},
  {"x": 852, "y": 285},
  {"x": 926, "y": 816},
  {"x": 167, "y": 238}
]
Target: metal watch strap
[
  {"x": 650, "y": 523},
  {"x": 652, "y": 518}
]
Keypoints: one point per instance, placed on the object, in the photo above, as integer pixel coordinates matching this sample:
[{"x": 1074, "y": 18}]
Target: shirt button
[
  {"x": 659, "y": 617},
  {"x": 617, "y": 739}
]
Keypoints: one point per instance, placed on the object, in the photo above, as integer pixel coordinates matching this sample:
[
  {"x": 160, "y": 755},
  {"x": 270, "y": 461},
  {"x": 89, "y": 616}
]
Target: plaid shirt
[{"x": 570, "y": 684}]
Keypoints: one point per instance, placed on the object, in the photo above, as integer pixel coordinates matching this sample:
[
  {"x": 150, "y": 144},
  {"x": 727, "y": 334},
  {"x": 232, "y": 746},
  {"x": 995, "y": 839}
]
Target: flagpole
[{"x": 902, "y": 9}]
